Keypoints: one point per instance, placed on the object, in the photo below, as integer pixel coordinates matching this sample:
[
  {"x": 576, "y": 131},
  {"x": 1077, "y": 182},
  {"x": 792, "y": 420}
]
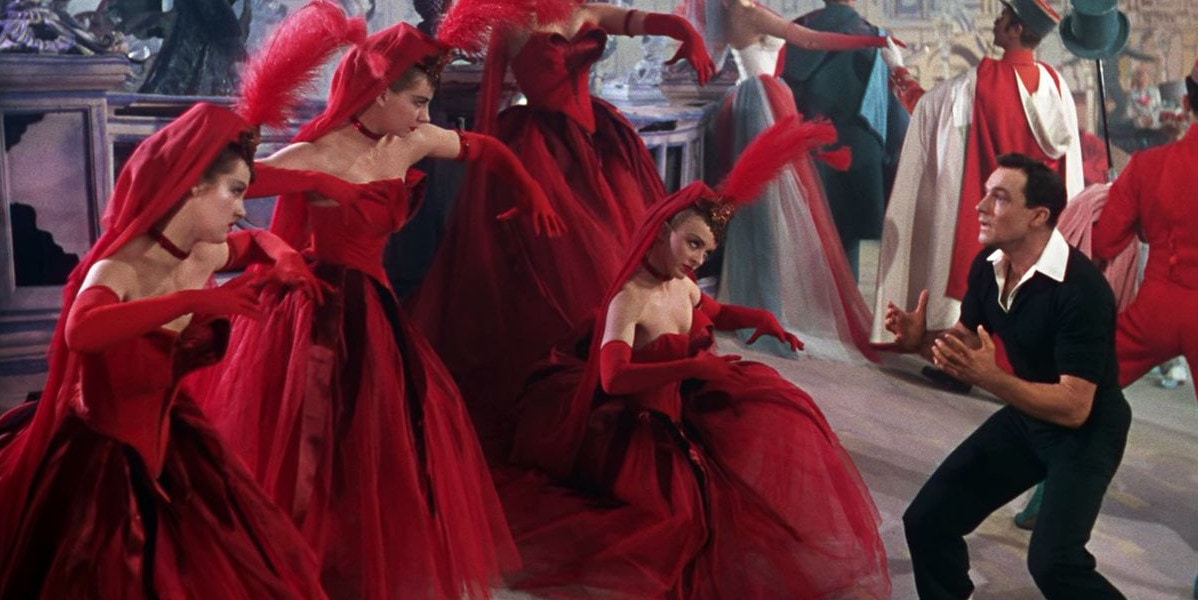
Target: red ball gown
[
  {"x": 697, "y": 490},
  {"x": 497, "y": 296},
  {"x": 353, "y": 425},
  {"x": 138, "y": 497}
]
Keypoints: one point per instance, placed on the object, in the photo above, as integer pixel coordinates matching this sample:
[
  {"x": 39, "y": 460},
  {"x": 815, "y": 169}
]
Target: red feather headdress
[
  {"x": 276, "y": 76},
  {"x": 470, "y": 24}
]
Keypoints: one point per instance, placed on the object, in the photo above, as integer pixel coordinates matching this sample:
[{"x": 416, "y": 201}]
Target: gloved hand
[
  {"x": 891, "y": 55},
  {"x": 732, "y": 316},
  {"x": 499, "y": 159},
  {"x": 287, "y": 267},
  {"x": 693, "y": 48}
]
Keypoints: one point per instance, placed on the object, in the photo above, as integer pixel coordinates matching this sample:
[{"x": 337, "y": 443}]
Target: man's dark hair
[
  {"x": 1043, "y": 188},
  {"x": 1192, "y": 94},
  {"x": 1027, "y": 38}
]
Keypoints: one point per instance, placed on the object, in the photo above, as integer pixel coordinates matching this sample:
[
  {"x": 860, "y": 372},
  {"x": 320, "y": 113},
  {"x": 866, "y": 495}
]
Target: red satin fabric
[
  {"x": 355, "y": 428},
  {"x": 696, "y": 490},
  {"x": 98, "y": 521},
  {"x": 998, "y": 126},
  {"x": 497, "y": 295}
]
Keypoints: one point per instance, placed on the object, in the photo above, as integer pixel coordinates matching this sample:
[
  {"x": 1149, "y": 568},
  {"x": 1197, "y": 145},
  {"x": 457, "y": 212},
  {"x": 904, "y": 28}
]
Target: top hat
[
  {"x": 1036, "y": 15},
  {"x": 1095, "y": 29}
]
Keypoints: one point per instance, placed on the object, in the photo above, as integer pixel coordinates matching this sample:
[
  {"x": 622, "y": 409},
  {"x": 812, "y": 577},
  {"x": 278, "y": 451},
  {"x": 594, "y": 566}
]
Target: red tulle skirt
[
  {"x": 355, "y": 428},
  {"x": 97, "y": 524},
  {"x": 497, "y": 295},
  {"x": 748, "y": 495}
]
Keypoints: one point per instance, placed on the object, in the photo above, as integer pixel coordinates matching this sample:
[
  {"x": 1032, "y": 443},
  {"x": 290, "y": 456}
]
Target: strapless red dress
[
  {"x": 138, "y": 497},
  {"x": 355, "y": 428},
  {"x": 697, "y": 490},
  {"x": 497, "y": 296}
]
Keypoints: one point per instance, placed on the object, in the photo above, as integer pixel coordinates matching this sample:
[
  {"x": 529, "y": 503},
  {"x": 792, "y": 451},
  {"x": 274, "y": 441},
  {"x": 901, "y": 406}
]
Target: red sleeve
[
  {"x": 905, "y": 88},
  {"x": 1120, "y": 217}
]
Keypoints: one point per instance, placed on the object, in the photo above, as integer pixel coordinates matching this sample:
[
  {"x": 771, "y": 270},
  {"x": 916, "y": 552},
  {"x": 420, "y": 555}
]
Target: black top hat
[{"x": 1095, "y": 29}]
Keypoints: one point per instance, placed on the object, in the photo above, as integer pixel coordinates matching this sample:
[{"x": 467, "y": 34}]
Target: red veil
[{"x": 556, "y": 443}]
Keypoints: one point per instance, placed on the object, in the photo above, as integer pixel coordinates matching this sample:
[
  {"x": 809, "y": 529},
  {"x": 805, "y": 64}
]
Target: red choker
[
  {"x": 658, "y": 275},
  {"x": 362, "y": 129},
  {"x": 167, "y": 245}
]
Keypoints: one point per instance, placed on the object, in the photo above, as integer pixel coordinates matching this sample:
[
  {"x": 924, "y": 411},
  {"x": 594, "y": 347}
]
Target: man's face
[
  {"x": 1003, "y": 214},
  {"x": 1006, "y": 28}
]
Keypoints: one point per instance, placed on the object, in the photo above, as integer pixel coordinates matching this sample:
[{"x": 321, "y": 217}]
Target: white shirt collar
[{"x": 1051, "y": 263}]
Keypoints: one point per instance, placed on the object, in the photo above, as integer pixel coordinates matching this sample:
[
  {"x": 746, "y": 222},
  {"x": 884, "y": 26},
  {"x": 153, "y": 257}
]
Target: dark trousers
[{"x": 1004, "y": 457}]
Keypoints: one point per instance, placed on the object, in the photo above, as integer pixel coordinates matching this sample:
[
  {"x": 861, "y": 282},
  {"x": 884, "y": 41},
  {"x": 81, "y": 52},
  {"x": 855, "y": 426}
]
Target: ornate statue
[{"x": 46, "y": 28}]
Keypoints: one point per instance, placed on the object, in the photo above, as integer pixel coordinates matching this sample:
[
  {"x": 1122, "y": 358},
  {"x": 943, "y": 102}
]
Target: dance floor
[{"x": 898, "y": 427}]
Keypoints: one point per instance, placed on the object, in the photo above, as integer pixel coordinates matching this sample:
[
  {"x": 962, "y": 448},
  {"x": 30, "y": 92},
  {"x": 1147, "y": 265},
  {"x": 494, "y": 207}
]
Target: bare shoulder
[
  {"x": 300, "y": 156},
  {"x": 627, "y": 305},
  {"x": 114, "y": 274}
]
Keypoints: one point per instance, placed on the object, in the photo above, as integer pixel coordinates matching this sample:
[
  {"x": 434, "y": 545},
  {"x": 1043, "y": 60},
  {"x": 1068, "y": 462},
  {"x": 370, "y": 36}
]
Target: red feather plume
[
  {"x": 276, "y": 76},
  {"x": 772, "y": 149},
  {"x": 469, "y": 24}
]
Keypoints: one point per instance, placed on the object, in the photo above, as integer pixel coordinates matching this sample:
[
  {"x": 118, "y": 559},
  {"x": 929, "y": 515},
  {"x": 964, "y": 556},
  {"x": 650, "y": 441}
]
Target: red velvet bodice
[
  {"x": 355, "y": 235},
  {"x": 553, "y": 71},
  {"x": 127, "y": 390},
  {"x": 673, "y": 346}
]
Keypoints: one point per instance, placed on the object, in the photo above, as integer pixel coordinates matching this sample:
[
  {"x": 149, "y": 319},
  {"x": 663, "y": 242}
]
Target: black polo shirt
[{"x": 1053, "y": 328}]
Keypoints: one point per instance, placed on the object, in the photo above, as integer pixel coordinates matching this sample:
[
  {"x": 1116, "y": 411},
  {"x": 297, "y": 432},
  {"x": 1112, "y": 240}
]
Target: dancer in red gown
[
  {"x": 497, "y": 297},
  {"x": 696, "y": 475},
  {"x": 350, "y": 421},
  {"x": 118, "y": 487}
]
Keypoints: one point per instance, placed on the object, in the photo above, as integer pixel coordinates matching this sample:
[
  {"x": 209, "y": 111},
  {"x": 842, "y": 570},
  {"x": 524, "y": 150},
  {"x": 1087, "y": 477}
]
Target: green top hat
[
  {"x": 1095, "y": 29},
  {"x": 1036, "y": 15}
]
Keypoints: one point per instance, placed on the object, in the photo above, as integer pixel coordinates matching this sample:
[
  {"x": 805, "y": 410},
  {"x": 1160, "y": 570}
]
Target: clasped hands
[{"x": 965, "y": 355}]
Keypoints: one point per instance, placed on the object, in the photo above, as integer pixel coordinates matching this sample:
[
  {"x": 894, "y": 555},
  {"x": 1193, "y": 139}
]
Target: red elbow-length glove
[
  {"x": 270, "y": 180},
  {"x": 99, "y": 319},
  {"x": 499, "y": 159},
  {"x": 619, "y": 375},
  {"x": 763, "y": 322},
  {"x": 693, "y": 48}
]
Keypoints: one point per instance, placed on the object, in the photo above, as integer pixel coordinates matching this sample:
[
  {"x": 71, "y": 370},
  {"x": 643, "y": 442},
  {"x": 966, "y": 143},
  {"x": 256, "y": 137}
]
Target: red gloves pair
[
  {"x": 99, "y": 319},
  {"x": 620, "y": 376}
]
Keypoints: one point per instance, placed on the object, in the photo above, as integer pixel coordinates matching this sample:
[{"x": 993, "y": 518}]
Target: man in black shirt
[{"x": 1065, "y": 421}]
